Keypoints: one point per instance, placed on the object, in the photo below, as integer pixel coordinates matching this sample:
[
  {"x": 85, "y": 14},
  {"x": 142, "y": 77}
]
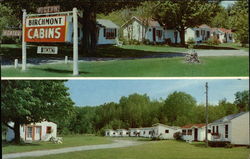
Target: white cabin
[
  {"x": 34, "y": 132},
  {"x": 233, "y": 128},
  {"x": 107, "y": 31},
  {"x": 134, "y": 132},
  {"x": 110, "y": 132},
  {"x": 165, "y": 132},
  {"x": 195, "y": 132},
  {"x": 199, "y": 34},
  {"x": 122, "y": 132},
  {"x": 138, "y": 29},
  {"x": 146, "y": 132}
]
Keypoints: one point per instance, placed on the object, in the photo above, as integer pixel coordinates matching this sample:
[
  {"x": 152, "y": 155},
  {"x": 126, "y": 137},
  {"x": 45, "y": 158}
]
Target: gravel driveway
[
  {"x": 116, "y": 144},
  {"x": 222, "y": 52}
]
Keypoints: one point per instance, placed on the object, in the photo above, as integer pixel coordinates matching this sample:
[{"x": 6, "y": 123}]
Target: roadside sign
[
  {"x": 48, "y": 9},
  {"x": 47, "y": 50},
  {"x": 45, "y": 29},
  {"x": 12, "y": 33}
]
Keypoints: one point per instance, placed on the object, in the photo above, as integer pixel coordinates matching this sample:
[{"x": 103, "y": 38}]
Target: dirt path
[{"x": 116, "y": 144}]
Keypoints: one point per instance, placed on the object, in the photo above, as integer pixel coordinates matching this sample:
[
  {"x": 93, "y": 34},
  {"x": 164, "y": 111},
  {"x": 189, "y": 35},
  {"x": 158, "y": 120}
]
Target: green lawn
[
  {"x": 167, "y": 149},
  {"x": 156, "y": 67},
  {"x": 68, "y": 141}
]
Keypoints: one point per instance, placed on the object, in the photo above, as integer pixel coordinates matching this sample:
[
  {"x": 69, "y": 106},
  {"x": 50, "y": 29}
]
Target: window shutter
[{"x": 104, "y": 32}]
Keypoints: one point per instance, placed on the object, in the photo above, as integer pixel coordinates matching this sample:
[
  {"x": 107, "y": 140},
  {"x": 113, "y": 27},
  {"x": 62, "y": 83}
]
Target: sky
[
  {"x": 227, "y": 3},
  {"x": 96, "y": 92}
]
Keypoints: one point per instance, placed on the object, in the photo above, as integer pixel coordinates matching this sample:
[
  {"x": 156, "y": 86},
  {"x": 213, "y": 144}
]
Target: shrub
[
  {"x": 168, "y": 41},
  {"x": 190, "y": 41},
  {"x": 178, "y": 136},
  {"x": 228, "y": 145},
  {"x": 213, "y": 41},
  {"x": 145, "y": 41},
  {"x": 218, "y": 143}
]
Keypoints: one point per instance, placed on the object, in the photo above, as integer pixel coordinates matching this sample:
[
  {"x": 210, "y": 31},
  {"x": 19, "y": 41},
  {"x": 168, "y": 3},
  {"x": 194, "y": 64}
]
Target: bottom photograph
[{"x": 125, "y": 119}]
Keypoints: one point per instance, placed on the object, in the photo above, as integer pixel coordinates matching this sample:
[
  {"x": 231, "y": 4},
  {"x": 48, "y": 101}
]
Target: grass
[
  {"x": 156, "y": 67},
  {"x": 68, "y": 141},
  {"x": 167, "y": 149}
]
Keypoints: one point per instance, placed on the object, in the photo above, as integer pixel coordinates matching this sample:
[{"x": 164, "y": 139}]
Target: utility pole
[{"x": 206, "y": 113}]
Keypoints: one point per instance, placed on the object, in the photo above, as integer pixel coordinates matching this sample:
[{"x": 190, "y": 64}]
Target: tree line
[{"x": 136, "y": 110}]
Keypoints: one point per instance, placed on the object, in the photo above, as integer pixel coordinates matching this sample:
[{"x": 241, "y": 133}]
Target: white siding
[{"x": 240, "y": 130}]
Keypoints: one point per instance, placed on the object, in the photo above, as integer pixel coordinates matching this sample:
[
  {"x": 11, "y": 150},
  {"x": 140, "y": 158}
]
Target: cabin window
[
  {"x": 108, "y": 133},
  {"x": 226, "y": 131},
  {"x": 113, "y": 133},
  {"x": 166, "y": 131},
  {"x": 208, "y": 34},
  {"x": 149, "y": 29},
  {"x": 127, "y": 133},
  {"x": 134, "y": 132},
  {"x": 144, "y": 132},
  {"x": 183, "y": 132},
  {"x": 217, "y": 129},
  {"x": 209, "y": 130},
  {"x": 149, "y": 132},
  {"x": 159, "y": 33},
  {"x": 109, "y": 33},
  {"x": 213, "y": 129},
  {"x": 230, "y": 36},
  {"x": 120, "y": 133},
  {"x": 48, "y": 130},
  {"x": 197, "y": 33},
  {"x": 29, "y": 133},
  {"x": 189, "y": 131}
]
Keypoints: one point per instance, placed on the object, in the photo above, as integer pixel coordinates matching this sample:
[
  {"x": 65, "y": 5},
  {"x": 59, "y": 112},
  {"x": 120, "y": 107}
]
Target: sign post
[
  {"x": 75, "y": 43},
  {"x": 24, "y": 58},
  {"x": 49, "y": 27}
]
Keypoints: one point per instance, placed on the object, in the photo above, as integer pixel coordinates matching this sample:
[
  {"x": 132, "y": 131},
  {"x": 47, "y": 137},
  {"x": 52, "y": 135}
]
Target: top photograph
[{"x": 124, "y": 38}]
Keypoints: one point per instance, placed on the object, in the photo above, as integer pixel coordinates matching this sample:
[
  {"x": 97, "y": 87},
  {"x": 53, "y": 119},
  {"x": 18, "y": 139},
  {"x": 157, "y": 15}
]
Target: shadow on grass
[
  {"x": 5, "y": 144},
  {"x": 199, "y": 144},
  {"x": 207, "y": 47},
  {"x": 53, "y": 70}
]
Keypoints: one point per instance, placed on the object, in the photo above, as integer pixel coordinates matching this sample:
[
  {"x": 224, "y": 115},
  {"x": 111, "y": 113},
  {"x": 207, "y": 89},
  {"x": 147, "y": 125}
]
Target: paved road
[
  {"x": 38, "y": 61},
  {"x": 116, "y": 144},
  {"x": 222, "y": 53}
]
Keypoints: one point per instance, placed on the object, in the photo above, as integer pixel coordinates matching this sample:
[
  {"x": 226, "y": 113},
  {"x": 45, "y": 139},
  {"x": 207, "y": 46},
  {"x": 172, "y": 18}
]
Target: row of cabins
[
  {"x": 137, "y": 29},
  {"x": 232, "y": 128}
]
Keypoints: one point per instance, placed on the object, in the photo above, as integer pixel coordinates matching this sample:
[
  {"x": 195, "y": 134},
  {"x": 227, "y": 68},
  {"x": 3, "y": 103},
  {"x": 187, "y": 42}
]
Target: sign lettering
[
  {"x": 48, "y": 9},
  {"x": 12, "y": 33},
  {"x": 47, "y": 50},
  {"x": 45, "y": 29}
]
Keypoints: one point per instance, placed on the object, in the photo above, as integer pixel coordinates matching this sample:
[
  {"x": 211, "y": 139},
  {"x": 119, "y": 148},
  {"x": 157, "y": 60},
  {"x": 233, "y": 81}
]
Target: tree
[
  {"x": 144, "y": 11},
  {"x": 89, "y": 10},
  {"x": 239, "y": 21},
  {"x": 221, "y": 20},
  {"x": 178, "y": 105},
  {"x": 242, "y": 100},
  {"x": 184, "y": 14},
  {"x": 25, "y": 102}
]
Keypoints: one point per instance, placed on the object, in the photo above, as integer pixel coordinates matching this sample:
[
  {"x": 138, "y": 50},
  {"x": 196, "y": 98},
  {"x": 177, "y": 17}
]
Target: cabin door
[
  {"x": 29, "y": 133},
  {"x": 38, "y": 131},
  {"x": 153, "y": 34},
  {"x": 195, "y": 134}
]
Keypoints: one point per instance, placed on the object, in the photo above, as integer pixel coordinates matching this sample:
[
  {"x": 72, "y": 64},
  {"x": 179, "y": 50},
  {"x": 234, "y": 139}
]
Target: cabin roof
[
  {"x": 228, "y": 118},
  {"x": 106, "y": 23},
  {"x": 193, "y": 125}
]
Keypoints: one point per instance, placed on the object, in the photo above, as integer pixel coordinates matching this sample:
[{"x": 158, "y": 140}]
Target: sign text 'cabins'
[
  {"x": 47, "y": 50},
  {"x": 45, "y": 29}
]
